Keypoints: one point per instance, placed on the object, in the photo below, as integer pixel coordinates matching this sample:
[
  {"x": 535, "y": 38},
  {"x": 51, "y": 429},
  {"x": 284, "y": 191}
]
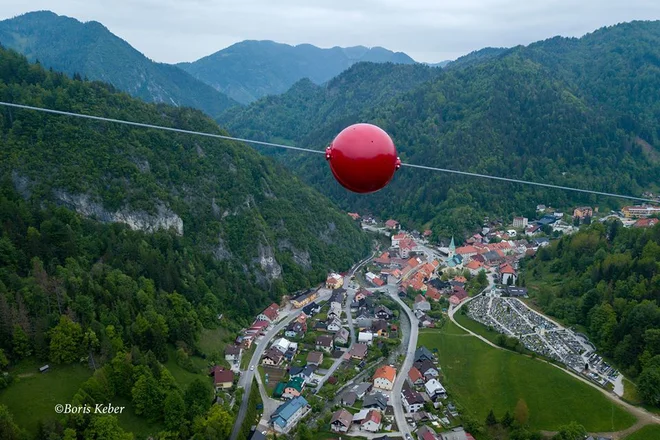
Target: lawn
[
  {"x": 649, "y": 432},
  {"x": 630, "y": 392},
  {"x": 480, "y": 329},
  {"x": 481, "y": 377},
  {"x": 212, "y": 341},
  {"x": 184, "y": 377},
  {"x": 34, "y": 396}
]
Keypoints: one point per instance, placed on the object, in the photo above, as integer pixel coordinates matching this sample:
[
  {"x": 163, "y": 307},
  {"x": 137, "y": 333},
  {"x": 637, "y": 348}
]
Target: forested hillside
[
  {"x": 90, "y": 50},
  {"x": 607, "y": 280},
  {"x": 249, "y": 70},
  {"x": 175, "y": 231},
  {"x": 574, "y": 112}
]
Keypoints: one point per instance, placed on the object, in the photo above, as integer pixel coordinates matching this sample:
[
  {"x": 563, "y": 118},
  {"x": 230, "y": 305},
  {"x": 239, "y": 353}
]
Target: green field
[
  {"x": 480, "y": 377},
  {"x": 184, "y": 377},
  {"x": 212, "y": 341},
  {"x": 649, "y": 432},
  {"x": 33, "y": 395}
]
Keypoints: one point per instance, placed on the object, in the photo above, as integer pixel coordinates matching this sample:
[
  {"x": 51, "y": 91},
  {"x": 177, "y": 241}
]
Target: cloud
[{"x": 428, "y": 30}]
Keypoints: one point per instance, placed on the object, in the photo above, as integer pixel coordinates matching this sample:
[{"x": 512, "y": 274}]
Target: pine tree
[{"x": 490, "y": 419}]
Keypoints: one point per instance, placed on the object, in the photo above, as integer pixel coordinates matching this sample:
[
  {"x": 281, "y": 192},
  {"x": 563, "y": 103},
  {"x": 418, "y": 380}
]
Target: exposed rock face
[
  {"x": 270, "y": 268},
  {"x": 136, "y": 220},
  {"x": 300, "y": 257},
  {"x": 221, "y": 252}
]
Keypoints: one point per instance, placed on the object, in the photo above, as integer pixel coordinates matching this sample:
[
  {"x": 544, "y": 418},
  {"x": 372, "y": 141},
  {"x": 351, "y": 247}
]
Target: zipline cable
[{"x": 308, "y": 150}]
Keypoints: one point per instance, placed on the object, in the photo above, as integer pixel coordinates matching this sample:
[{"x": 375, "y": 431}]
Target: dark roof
[
  {"x": 424, "y": 366},
  {"x": 423, "y": 353},
  {"x": 411, "y": 396},
  {"x": 516, "y": 291},
  {"x": 324, "y": 340},
  {"x": 257, "y": 435},
  {"x": 373, "y": 400},
  {"x": 294, "y": 371},
  {"x": 232, "y": 350},
  {"x": 379, "y": 324},
  {"x": 439, "y": 284},
  {"x": 220, "y": 375}
]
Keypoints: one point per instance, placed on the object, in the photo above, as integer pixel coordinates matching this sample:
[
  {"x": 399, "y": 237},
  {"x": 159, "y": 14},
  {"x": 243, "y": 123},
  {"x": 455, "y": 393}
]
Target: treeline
[{"x": 607, "y": 280}]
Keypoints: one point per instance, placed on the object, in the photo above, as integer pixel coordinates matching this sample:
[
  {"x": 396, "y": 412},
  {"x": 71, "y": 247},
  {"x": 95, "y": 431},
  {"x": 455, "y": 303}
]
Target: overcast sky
[{"x": 428, "y": 30}]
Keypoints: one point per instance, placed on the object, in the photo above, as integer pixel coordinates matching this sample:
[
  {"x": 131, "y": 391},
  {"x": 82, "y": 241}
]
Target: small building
[
  {"x": 325, "y": 343},
  {"x": 421, "y": 303},
  {"x": 423, "y": 354},
  {"x": 384, "y": 378},
  {"x": 412, "y": 400},
  {"x": 314, "y": 358},
  {"x": 375, "y": 400},
  {"x": 435, "y": 389},
  {"x": 358, "y": 351},
  {"x": 282, "y": 344},
  {"x": 342, "y": 336},
  {"x": 270, "y": 314},
  {"x": 372, "y": 421},
  {"x": 366, "y": 337},
  {"x": 304, "y": 299},
  {"x": 287, "y": 415},
  {"x": 392, "y": 224},
  {"x": 520, "y": 222},
  {"x": 334, "y": 281},
  {"x": 415, "y": 377},
  {"x": 311, "y": 309},
  {"x": 333, "y": 324},
  {"x": 232, "y": 353},
  {"x": 382, "y": 312},
  {"x": 454, "y": 434},
  {"x": 380, "y": 328},
  {"x": 272, "y": 357},
  {"x": 348, "y": 398},
  {"x": 222, "y": 379},
  {"x": 427, "y": 368},
  {"x": 341, "y": 421},
  {"x": 293, "y": 388}
]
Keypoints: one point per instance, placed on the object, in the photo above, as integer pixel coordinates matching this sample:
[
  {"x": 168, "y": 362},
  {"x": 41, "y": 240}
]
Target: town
[{"x": 346, "y": 352}]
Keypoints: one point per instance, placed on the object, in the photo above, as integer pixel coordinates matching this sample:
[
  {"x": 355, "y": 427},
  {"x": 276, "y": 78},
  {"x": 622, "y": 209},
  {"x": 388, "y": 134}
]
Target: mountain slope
[
  {"x": 537, "y": 113},
  {"x": 305, "y": 107},
  {"x": 249, "y": 70},
  {"x": 257, "y": 222},
  {"x": 90, "y": 50}
]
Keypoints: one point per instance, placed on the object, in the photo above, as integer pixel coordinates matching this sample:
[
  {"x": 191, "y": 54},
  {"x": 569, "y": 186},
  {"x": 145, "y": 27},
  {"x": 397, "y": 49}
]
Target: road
[
  {"x": 643, "y": 417},
  {"x": 397, "y": 402},
  {"x": 245, "y": 381},
  {"x": 350, "y": 294}
]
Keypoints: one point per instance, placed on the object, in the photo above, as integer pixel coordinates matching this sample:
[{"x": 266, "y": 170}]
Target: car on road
[
  {"x": 408, "y": 437},
  {"x": 251, "y": 367}
]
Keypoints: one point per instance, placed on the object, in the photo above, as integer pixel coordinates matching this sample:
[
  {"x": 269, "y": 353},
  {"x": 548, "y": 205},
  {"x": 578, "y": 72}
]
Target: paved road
[
  {"x": 643, "y": 417},
  {"x": 397, "y": 402},
  {"x": 245, "y": 381}
]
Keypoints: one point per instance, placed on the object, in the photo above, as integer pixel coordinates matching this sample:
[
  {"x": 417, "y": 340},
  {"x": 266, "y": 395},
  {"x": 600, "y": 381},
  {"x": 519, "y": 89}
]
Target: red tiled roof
[
  {"x": 463, "y": 250},
  {"x": 385, "y": 372},
  {"x": 271, "y": 311},
  {"x": 506, "y": 268},
  {"x": 391, "y": 223},
  {"x": 220, "y": 375},
  {"x": 415, "y": 375},
  {"x": 379, "y": 282},
  {"x": 372, "y": 416}
]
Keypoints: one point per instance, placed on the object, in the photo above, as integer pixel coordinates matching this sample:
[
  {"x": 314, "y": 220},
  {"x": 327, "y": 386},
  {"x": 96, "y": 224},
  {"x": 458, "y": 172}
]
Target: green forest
[
  {"x": 605, "y": 281},
  {"x": 573, "y": 112},
  {"x": 125, "y": 302}
]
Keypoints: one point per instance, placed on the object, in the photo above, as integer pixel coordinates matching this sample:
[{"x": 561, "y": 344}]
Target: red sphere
[{"x": 363, "y": 158}]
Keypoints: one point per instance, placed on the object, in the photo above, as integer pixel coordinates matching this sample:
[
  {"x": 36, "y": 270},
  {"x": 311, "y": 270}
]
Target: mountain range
[
  {"x": 577, "y": 112},
  {"x": 249, "y": 70}
]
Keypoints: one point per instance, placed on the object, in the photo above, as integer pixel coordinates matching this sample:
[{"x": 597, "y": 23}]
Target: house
[
  {"x": 358, "y": 351},
  {"x": 291, "y": 351},
  {"x": 383, "y": 312},
  {"x": 341, "y": 337},
  {"x": 392, "y": 224},
  {"x": 427, "y": 368},
  {"x": 467, "y": 251},
  {"x": 272, "y": 357},
  {"x": 379, "y": 328},
  {"x": 423, "y": 354},
  {"x": 454, "y": 434},
  {"x": 435, "y": 389},
  {"x": 424, "y": 320},
  {"x": 311, "y": 309},
  {"x": 415, "y": 377},
  {"x": 361, "y": 389},
  {"x": 520, "y": 222},
  {"x": 289, "y": 413},
  {"x": 474, "y": 267},
  {"x": 257, "y": 435},
  {"x": 412, "y": 400},
  {"x": 361, "y": 294},
  {"x": 406, "y": 246},
  {"x": 325, "y": 343},
  {"x": 532, "y": 230},
  {"x": 508, "y": 274},
  {"x": 257, "y": 327},
  {"x": 375, "y": 400},
  {"x": 640, "y": 211},
  {"x": 384, "y": 259},
  {"x": 232, "y": 353},
  {"x": 366, "y": 337},
  {"x": 384, "y": 378},
  {"x": 296, "y": 329},
  {"x": 540, "y": 242},
  {"x": 341, "y": 421},
  {"x": 338, "y": 296},
  {"x": 333, "y": 324},
  {"x": 334, "y": 281},
  {"x": 282, "y": 344},
  {"x": 427, "y": 233},
  {"x": 433, "y": 294},
  {"x": 314, "y": 358},
  {"x": 371, "y": 423},
  {"x": 305, "y": 373},
  {"x": 494, "y": 257},
  {"x": 646, "y": 223},
  {"x": 270, "y": 313},
  {"x": 348, "y": 398},
  {"x": 335, "y": 311},
  {"x": 354, "y": 215},
  {"x": 426, "y": 433},
  {"x": 458, "y": 295},
  {"x": 583, "y": 212},
  {"x": 321, "y": 326},
  {"x": 222, "y": 378},
  {"x": 293, "y": 388},
  {"x": 304, "y": 299},
  {"x": 421, "y": 303}
]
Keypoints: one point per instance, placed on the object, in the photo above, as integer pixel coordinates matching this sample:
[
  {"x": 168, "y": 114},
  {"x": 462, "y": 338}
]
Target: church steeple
[{"x": 452, "y": 247}]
